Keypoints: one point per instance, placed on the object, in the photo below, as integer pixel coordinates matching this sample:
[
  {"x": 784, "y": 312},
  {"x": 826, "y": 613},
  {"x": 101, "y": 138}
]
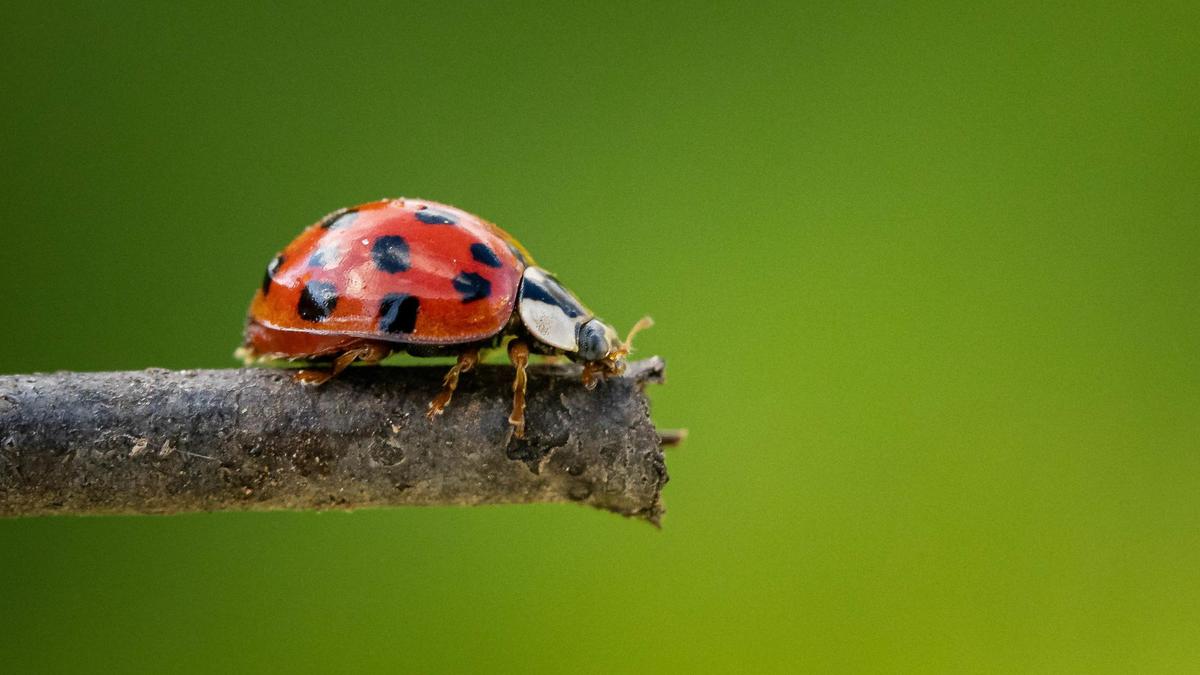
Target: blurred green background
[{"x": 926, "y": 278}]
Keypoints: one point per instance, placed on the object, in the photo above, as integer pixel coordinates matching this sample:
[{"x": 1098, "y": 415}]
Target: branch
[{"x": 158, "y": 441}]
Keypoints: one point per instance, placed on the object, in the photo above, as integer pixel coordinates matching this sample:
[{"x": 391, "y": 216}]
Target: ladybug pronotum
[{"x": 410, "y": 275}]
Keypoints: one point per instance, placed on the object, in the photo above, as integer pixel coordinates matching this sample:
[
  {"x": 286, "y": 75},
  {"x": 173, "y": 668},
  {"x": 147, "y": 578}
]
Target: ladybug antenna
[{"x": 642, "y": 324}]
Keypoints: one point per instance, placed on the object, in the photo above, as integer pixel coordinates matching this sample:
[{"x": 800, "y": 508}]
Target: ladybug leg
[
  {"x": 466, "y": 361},
  {"x": 518, "y": 353},
  {"x": 592, "y": 372},
  {"x": 366, "y": 353}
]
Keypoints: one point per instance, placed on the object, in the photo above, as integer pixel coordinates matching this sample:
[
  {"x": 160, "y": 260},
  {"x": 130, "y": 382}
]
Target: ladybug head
[
  {"x": 596, "y": 340},
  {"x": 599, "y": 345}
]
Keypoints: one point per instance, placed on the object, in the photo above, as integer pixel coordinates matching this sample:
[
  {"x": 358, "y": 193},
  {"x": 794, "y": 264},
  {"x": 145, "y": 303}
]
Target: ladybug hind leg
[
  {"x": 371, "y": 353},
  {"x": 518, "y": 353},
  {"x": 466, "y": 361}
]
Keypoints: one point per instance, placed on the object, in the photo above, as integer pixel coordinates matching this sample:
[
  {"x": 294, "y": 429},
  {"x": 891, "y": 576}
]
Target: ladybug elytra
[{"x": 409, "y": 275}]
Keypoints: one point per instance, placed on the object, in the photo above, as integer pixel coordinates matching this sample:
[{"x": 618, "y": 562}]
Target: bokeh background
[{"x": 926, "y": 278}]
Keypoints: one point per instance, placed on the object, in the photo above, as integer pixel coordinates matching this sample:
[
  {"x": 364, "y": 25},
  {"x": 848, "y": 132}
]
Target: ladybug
[{"x": 415, "y": 276}]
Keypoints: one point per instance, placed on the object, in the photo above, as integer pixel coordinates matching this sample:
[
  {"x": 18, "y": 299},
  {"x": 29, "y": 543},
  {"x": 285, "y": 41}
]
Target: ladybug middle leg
[
  {"x": 466, "y": 361},
  {"x": 368, "y": 353},
  {"x": 518, "y": 353}
]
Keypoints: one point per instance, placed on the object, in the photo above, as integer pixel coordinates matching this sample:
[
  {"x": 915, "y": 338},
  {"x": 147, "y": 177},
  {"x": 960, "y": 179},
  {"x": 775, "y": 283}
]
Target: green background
[{"x": 926, "y": 278}]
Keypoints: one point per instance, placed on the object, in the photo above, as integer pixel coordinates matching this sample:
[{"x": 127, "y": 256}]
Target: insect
[{"x": 415, "y": 276}]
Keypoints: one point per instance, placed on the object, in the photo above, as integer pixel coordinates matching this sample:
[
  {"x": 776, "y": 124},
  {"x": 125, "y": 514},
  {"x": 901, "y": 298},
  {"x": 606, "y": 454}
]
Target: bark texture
[{"x": 158, "y": 441}]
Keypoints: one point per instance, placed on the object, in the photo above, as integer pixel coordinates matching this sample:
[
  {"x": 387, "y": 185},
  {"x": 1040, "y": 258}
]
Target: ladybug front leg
[
  {"x": 518, "y": 353},
  {"x": 466, "y": 361},
  {"x": 366, "y": 353},
  {"x": 592, "y": 372}
]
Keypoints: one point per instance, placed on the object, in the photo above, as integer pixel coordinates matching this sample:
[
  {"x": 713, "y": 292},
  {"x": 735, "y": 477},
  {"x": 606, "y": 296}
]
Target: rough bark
[{"x": 158, "y": 441}]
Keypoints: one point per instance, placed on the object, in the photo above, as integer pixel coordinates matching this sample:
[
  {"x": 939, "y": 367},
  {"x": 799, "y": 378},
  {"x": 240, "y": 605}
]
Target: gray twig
[{"x": 159, "y": 441}]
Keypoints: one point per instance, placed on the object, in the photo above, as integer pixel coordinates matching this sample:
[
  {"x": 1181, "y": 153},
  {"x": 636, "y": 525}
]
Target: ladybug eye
[{"x": 593, "y": 343}]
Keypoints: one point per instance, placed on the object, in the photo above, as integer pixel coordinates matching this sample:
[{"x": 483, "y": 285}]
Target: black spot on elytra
[
  {"x": 269, "y": 275},
  {"x": 481, "y": 253},
  {"x": 339, "y": 219},
  {"x": 435, "y": 217},
  {"x": 472, "y": 286},
  {"x": 325, "y": 257},
  {"x": 398, "y": 313},
  {"x": 317, "y": 301},
  {"x": 390, "y": 253}
]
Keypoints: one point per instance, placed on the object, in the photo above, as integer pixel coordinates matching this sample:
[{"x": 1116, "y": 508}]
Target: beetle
[{"x": 416, "y": 276}]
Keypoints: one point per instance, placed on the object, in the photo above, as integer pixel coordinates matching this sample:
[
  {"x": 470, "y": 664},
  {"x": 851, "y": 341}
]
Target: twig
[{"x": 160, "y": 441}]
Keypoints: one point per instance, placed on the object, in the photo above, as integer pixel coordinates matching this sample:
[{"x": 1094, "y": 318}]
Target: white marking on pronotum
[{"x": 546, "y": 308}]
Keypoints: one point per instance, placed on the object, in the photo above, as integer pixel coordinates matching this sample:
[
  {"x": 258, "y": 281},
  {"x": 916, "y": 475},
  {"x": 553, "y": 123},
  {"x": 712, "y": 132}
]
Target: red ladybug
[{"x": 424, "y": 278}]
